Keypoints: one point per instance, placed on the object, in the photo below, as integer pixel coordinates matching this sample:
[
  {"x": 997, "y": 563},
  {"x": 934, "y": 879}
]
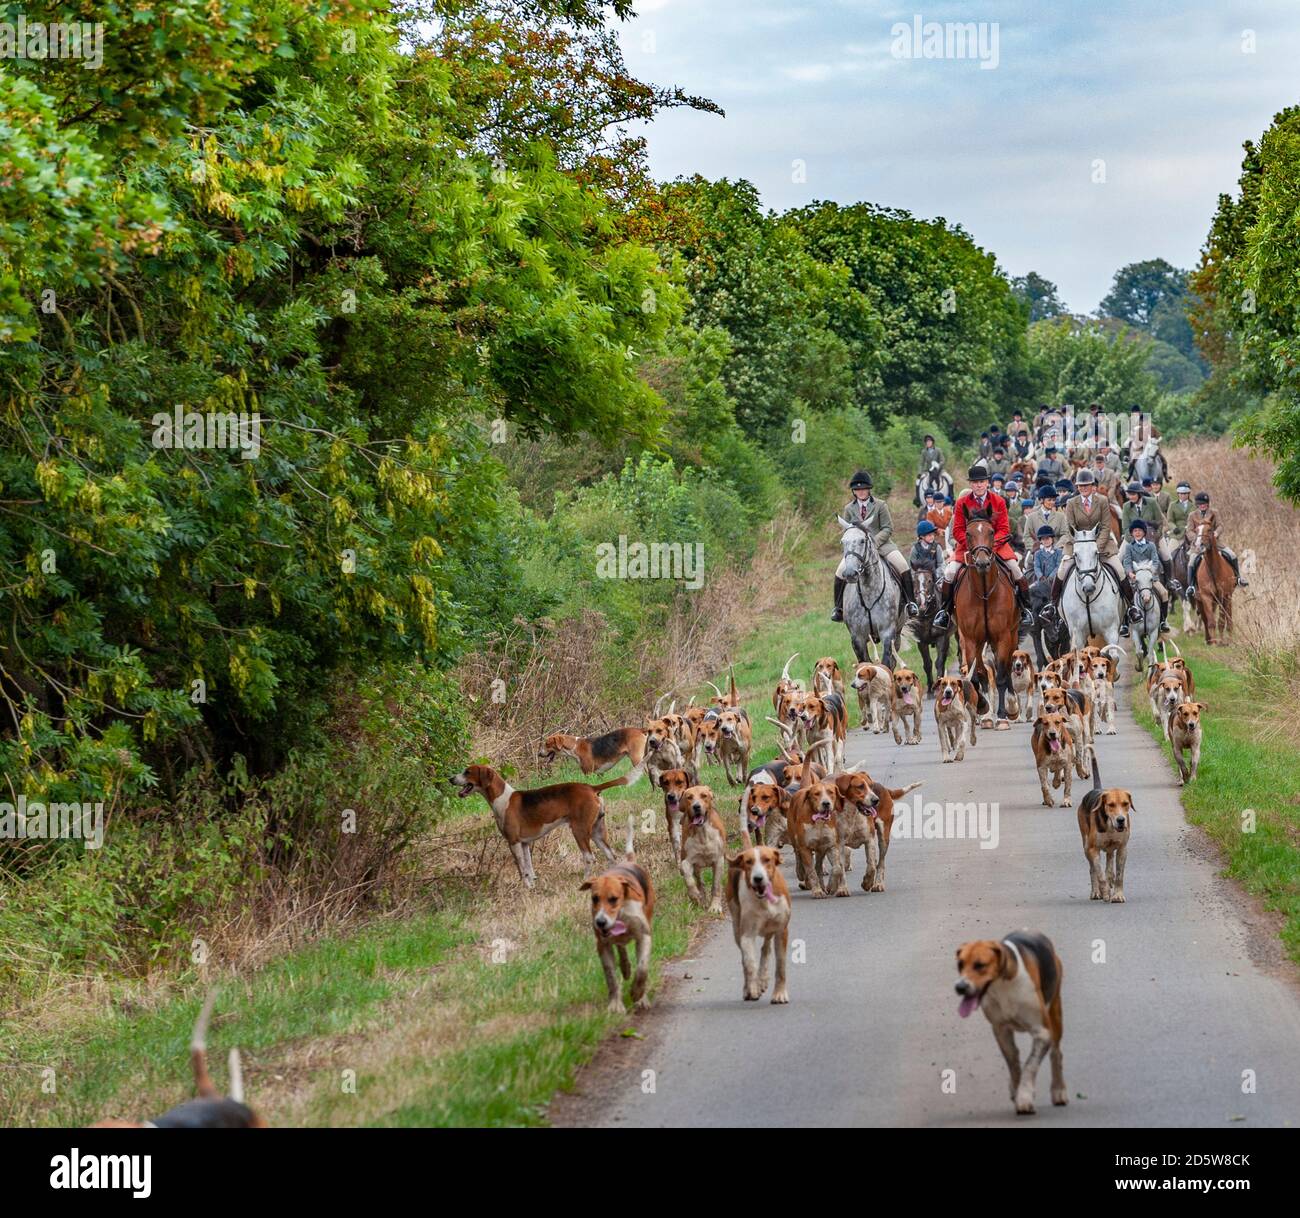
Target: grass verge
[{"x": 1248, "y": 765}]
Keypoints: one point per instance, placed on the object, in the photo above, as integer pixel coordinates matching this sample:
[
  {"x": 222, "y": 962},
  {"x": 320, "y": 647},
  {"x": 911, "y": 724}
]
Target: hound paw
[
  {"x": 820, "y": 894},
  {"x": 843, "y": 891},
  {"x": 1025, "y": 1105},
  {"x": 1060, "y": 1097},
  {"x": 641, "y": 1004},
  {"x": 1067, "y": 802},
  {"x": 614, "y": 1006},
  {"x": 878, "y": 886},
  {"x": 1117, "y": 898}
]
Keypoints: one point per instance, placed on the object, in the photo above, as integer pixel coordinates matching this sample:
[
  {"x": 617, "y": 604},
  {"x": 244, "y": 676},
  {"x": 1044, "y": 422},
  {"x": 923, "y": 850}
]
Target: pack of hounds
[{"x": 808, "y": 799}]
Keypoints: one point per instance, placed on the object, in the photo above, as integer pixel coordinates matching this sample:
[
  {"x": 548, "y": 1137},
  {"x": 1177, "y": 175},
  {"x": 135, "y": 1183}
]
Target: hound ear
[
  {"x": 584, "y": 885},
  {"x": 1008, "y": 966},
  {"x": 733, "y": 863},
  {"x": 1202, "y": 706}
]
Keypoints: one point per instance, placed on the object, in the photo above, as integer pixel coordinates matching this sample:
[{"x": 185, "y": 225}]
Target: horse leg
[
  {"x": 924, "y": 648},
  {"x": 1002, "y": 670}
]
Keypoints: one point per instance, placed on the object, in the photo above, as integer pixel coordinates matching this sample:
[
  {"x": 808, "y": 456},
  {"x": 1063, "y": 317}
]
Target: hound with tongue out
[
  {"x": 760, "y": 917},
  {"x": 622, "y": 911},
  {"x": 1016, "y": 982}
]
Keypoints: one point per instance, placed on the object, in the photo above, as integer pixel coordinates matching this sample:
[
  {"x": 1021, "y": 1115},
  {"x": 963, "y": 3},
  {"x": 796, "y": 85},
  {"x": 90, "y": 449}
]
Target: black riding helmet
[
  {"x": 1202, "y": 497},
  {"x": 861, "y": 478}
]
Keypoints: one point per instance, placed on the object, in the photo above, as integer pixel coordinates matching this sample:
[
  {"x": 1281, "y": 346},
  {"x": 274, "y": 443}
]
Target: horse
[
  {"x": 935, "y": 479},
  {"x": 986, "y": 609},
  {"x": 923, "y": 627},
  {"x": 1146, "y": 633},
  {"x": 1215, "y": 583},
  {"x": 1151, "y": 464},
  {"x": 1179, "y": 569},
  {"x": 1051, "y": 635},
  {"x": 1024, "y": 469},
  {"x": 1090, "y": 599},
  {"x": 873, "y": 601}
]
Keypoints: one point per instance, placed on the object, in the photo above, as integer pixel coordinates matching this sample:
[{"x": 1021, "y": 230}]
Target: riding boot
[
  {"x": 1191, "y": 576},
  {"x": 1170, "y": 582},
  {"x": 1164, "y": 616},
  {"x": 1126, "y": 606},
  {"x": 944, "y": 616},
  {"x": 1236, "y": 567},
  {"x": 909, "y": 595},
  {"x": 1053, "y": 608},
  {"x": 1022, "y": 599},
  {"x": 837, "y": 614}
]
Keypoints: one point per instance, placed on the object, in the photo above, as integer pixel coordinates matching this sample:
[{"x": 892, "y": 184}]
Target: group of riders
[{"x": 1038, "y": 521}]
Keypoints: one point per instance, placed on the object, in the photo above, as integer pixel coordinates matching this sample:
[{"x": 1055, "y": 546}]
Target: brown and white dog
[
  {"x": 815, "y": 830},
  {"x": 662, "y": 750},
  {"x": 525, "y": 817},
  {"x": 824, "y": 717},
  {"x": 1168, "y": 692},
  {"x": 704, "y": 844},
  {"x": 1076, "y": 706},
  {"x": 956, "y": 704},
  {"x": 727, "y": 738},
  {"x": 1053, "y": 745},
  {"x": 786, "y": 686},
  {"x": 595, "y": 754},
  {"x": 622, "y": 912},
  {"x": 673, "y": 783},
  {"x": 1105, "y": 822},
  {"x": 1104, "y": 670},
  {"x": 1016, "y": 982},
  {"x": 1023, "y": 686},
  {"x": 905, "y": 706},
  {"x": 211, "y": 1110},
  {"x": 827, "y": 678},
  {"x": 1184, "y": 732},
  {"x": 763, "y": 813},
  {"x": 731, "y": 698},
  {"x": 760, "y": 918},
  {"x": 874, "y": 683},
  {"x": 874, "y": 823}
]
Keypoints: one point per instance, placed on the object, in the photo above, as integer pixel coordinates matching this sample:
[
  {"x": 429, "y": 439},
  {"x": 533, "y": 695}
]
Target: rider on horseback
[
  {"x": 930, "y": 455},
  {"x": 873, "y": 515},
  {"x": 980, "y": 500},
  {"x": 1203, "y": 513},
  {"x": 1139, "y": 549},
  {"x": 1089, "y": 510}
]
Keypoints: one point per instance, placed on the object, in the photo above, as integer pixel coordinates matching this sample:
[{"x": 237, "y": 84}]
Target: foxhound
[
  {"x": 1016, "y": 982},
  {"x": 622, "y": 912},
  {"x": 905, "y": 706},
  {"x": 524, "y": 817},
  {"x": 1053, "y": 745},
  {"x": 704, "y": 844},
  {"x": 595, "y": 754},
  {"x": 1184, "y": 732},
  {"x": 760, "y": 917},
  {"x": 1105, "y": 822},
  {"x": 874, "y": 683}
]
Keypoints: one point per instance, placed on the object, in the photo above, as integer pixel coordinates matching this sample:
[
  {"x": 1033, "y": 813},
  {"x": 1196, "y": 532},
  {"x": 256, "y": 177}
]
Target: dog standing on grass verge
[
  {"x": 760, "y": 917},
  {"x": 595, "y": 754},
  {"x": 525, "y": 817},
  {"x": 622, "y": 911},
  {"x": 1017, "y": 984},
  {"x": 1184, "y": 731},
  {"x": 211, "y": 1110}
]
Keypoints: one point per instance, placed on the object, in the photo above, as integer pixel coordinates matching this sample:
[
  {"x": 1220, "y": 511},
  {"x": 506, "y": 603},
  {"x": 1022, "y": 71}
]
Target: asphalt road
[{"x": 1193, "y": 991}]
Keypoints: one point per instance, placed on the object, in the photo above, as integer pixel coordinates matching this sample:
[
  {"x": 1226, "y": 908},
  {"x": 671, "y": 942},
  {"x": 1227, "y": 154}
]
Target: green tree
[{"x": 1038, "y": 295}]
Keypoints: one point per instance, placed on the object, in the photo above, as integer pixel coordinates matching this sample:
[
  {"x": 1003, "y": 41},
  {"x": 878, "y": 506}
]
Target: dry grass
[
  {"x": 555, "y": 671},
  {"x": 1263, "y": 529}
]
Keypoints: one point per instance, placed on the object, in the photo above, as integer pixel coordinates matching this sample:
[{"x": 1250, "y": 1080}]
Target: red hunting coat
[{"x": 995, "y": 507}]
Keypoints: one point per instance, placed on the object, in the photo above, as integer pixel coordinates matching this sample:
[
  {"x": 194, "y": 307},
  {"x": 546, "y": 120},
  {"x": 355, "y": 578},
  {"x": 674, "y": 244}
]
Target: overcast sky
[{"x": 1162, "y": 91}]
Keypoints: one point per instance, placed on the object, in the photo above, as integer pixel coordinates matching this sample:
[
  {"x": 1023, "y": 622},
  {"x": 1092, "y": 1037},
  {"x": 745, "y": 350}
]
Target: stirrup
[
  {"x": 941, "y": 619},
  {"x": 913, "y": 609},
  {"x": 1123, "y": 629},
  {"x": 837, "y": 614},
  {"x": 1134, "y": 614}
]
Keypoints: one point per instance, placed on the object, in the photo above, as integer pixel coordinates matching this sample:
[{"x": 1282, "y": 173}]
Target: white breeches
[
  {"x": 1114, "y": 563},
  {"x": 951, "y": 568},
  {"x": 896, "y": 559}
]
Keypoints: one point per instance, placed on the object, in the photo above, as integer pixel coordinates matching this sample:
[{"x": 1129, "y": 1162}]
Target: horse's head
[
  {"x": 859, "y": 548},
  {"x": 979, "y": 542},
  {"x": 1086, "y": 562},
  {"x": 1151, "y": 448},
  {"x": 923, "y": 581},
  {"x": 1202, "y": 539},
  {"x": 1144, "y": 577}
]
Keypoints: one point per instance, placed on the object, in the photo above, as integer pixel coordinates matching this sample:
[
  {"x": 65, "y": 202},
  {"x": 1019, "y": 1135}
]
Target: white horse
[
  {"x": 873, "y": 602},
  {"x": 1090, "y": 599},
  {"x": 1146, "y": 633},
  {"x": 1150, "y": 464},
  {"x": 936, "y": 479}
]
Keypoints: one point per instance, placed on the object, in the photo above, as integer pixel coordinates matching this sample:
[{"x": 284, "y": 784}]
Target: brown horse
[
  {"x": 986, "y": 613},
  {"x": 1215, "y": 583}
]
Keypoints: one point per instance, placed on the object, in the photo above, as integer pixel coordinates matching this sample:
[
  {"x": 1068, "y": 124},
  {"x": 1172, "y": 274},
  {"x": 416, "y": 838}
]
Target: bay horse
[
  {"x": 986, "y": 613},
  {"x": 1215, "y": 583}
]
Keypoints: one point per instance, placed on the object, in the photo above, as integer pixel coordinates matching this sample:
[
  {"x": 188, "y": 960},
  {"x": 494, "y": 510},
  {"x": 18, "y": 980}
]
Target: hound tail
[
  {"x": 631, "y": 778},
  {"x": 203, "y": 1083},
  {"x": 1096, "y": 773},
  {"x": 631, "y": 837},
  {"x": 236, "y": 1077},
  {"x": 911, "y": 786}
]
